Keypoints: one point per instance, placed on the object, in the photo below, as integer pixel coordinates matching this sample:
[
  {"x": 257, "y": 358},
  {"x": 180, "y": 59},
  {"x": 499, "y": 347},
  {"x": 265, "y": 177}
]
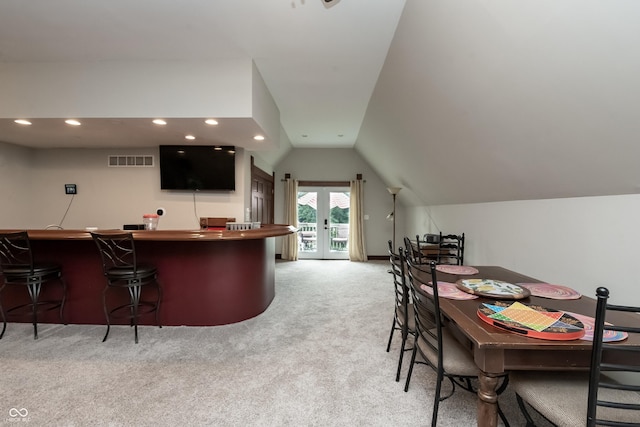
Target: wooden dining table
[{"x": 497, "y": 351}]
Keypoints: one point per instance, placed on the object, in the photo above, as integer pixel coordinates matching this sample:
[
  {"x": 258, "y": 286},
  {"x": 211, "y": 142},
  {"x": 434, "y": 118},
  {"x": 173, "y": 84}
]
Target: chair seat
[
  {"x": 25, "y": 271},
  {"x": 457, "y": 360},
  {"x": 127, "y": 273},
  {"x": 567, "y": 393}
]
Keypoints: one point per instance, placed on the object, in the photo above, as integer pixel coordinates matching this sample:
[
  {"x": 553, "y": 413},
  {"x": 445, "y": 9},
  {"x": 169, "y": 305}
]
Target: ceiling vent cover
[{"x": 122, "y": 161}]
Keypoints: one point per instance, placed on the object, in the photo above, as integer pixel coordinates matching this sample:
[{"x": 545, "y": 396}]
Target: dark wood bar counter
[{"x": 208, "y": 277}]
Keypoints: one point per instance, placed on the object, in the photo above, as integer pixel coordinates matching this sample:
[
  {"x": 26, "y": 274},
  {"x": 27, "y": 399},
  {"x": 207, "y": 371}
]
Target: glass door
[{"x": 323, "y": 222}]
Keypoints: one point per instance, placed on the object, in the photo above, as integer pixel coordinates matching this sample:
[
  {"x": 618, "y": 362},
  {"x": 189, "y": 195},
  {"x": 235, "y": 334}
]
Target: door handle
[{"x": 325, "y": 224}]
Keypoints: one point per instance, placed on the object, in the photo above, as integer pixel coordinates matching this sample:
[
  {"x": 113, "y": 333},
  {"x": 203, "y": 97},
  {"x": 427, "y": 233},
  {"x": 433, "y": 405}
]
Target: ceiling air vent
[{"x": 116, "y": 161}]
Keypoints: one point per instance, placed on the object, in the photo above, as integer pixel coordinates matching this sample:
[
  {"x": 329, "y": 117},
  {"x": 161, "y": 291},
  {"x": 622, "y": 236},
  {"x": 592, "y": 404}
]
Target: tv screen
[{"x": 197, "y": 167}]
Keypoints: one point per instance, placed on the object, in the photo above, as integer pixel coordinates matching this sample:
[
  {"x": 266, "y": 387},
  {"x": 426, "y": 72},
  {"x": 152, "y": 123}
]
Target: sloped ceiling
[
  {"x": 319, "y": 60},
  {"x": 477, "y": 100},
  {"x": 482, "y": 101}
]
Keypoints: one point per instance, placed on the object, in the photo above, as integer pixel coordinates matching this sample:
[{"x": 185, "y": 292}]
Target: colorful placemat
[
  {"x": 547, "y": 290},
  {"x": 461, "y": 270},
  {"x": 448, "y": 290},
  {"x": 531, "y": 320},
  {"x": 493, "y": 288},
  {"x": 589, "y": 323}
]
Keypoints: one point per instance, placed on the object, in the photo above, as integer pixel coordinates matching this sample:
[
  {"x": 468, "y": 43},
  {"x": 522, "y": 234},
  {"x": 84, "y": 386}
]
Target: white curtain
[
  {"x": 290, "y": 241},
  {"x": 357, "y": 248}
]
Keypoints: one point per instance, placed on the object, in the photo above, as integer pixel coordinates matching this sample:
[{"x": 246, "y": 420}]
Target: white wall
[
  {"x": 32, "y": 184},
  {"x": 341, "y": 164},
  {"x": 579, "y": 242},
  {"x": 128, "y": 89},
  {"x": 15, "y": 185}
]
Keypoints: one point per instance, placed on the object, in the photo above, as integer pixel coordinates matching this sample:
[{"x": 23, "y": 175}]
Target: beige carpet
[{"x": 316, "y": 357}]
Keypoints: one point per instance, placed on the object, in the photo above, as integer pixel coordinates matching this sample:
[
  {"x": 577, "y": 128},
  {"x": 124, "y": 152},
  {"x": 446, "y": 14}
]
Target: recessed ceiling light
[
  {"x": 340, "y": 135},
  {"x": 211, "y": 122},
  {"x": 259, "y": 138},
  {"x": 159, "y": 122},
  {"x": 22, "y": 122},
  {"x": 189, "y": 137},
  {"x": 304, "y": 135},
  {"x": 72, "y": 122}
]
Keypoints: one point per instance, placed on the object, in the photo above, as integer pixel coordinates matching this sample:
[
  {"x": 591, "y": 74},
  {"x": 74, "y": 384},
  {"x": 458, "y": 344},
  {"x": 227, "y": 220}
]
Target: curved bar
[
  {"x": 208, "y": 277},
  {"x": 267, "y": 230}
]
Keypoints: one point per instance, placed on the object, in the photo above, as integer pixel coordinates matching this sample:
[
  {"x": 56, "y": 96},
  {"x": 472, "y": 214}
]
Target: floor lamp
[{"x": 392, "y": 216}]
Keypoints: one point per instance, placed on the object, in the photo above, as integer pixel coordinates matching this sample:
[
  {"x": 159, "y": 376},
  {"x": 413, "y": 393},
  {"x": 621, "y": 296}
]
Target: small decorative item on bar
[{"x": 150, "y": 221}]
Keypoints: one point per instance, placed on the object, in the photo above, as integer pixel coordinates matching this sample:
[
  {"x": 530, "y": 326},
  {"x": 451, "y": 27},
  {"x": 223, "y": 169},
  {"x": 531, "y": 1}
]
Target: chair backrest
[
  {"x": 451, "y": 249},
  {"x": 426, "y": 307},
  {"x": 117, "y": 250},
  {"x": 399, "y": 281},
  {"x": 622, "y": 361},
  {"x": 412, "y": 250},
  {"x": 15, "y": 251}
]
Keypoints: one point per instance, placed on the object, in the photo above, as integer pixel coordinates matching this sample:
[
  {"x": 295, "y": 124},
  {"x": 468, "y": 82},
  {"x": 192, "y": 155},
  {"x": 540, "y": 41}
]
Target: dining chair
[
  {"x": 18, "y": 268},
  {"x": 123, "y": 271},
  {"x": 413, "y": 250},
  {"x": 435, "y": 345},
  {"x": 403, "y": 317},
  {"x": 590, "y": 398},
  {"x": 451, "y": 249}
]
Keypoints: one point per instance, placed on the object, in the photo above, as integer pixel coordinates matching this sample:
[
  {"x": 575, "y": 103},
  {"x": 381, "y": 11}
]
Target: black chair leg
[
  {"x": 106, "y": 312},
  {"x": 158, "y": 306},
  {"x": 524, "y": 411},
  {"x": 34, "y": 293},
  {"x": 402, "y": 350},
  {"x": 503, "y": 417},
  {"x": 413, "y": 361},
  {"x": 134, "y": 293},
  {"x": 393, "y": 328},
  {"x": 436, "y": 399}
]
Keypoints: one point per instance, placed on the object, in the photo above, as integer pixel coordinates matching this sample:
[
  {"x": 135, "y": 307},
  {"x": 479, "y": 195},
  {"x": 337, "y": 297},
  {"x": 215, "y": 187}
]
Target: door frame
[{"x": 323, "y": 238}]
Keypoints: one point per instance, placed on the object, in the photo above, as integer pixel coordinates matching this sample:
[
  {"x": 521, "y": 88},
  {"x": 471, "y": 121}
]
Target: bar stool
[
  {"x": 18, "y": 269},
  {"x": 121, "y": 270}
]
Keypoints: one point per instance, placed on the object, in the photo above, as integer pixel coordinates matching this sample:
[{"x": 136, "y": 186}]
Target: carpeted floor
[{"x": 316, "y": 357}]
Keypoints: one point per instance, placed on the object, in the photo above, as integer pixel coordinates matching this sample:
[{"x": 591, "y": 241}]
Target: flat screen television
[{"x": 197, "y": 167}]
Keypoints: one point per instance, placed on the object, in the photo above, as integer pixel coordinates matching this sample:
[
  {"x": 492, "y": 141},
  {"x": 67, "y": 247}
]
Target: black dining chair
[
  {"x": 607, "y": 395},
  {"x": 123, "y": 271},
  {"x": 403, "y": 317},
  {"x": 18, "y": 268},
  {"x": 435, "y": 345},
  {"x": 451, "y": 249}
]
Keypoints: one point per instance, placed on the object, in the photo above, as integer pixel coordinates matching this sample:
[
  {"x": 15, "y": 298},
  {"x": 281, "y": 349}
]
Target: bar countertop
[{"x": 266, "y": 230}]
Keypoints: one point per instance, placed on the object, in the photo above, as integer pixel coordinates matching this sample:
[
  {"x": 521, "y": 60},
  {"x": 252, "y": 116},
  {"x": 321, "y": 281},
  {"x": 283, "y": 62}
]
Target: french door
[{"x": 323, "y": 222}]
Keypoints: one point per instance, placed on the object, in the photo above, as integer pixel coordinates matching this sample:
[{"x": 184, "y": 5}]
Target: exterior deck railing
[{"x": 308, "y": 232}]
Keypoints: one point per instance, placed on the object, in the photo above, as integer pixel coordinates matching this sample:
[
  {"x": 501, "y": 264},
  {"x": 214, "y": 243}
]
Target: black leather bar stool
[
  {"x": 121, "y": 269},
  {"x": 18, "y": 269}
]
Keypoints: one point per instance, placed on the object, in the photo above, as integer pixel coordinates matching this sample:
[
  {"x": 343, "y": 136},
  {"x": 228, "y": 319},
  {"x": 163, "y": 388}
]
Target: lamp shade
[{"x": 394, "y": 190}]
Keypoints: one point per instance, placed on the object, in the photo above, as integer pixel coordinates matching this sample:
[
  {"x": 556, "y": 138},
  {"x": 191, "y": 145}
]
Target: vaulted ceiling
[{"x": 456, "y": 101}]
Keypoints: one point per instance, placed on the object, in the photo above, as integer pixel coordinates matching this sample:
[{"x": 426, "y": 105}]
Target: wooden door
[{"x": 261, "y": 195}]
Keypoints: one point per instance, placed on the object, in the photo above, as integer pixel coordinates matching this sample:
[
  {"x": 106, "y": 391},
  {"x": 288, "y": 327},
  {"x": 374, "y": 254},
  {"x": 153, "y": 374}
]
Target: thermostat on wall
[{"x": 70, "y": 189}]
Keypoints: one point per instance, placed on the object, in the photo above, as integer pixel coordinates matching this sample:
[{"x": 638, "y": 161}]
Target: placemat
[
  {"x": 531, "y": 320},
  {"x": 493, "y": 288},
  {"x": 589, "y": 323},
  {"x": 448, "y": 290},
  {"x": 461, "y": 270},
  {"x": 547, "y": 290}
]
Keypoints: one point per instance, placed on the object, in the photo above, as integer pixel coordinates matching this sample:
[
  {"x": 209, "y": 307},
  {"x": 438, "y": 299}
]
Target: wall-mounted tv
[{"x": 197, "y": 167}]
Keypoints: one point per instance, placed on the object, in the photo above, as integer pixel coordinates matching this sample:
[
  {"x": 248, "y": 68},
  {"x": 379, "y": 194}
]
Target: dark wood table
[{"x": 497, "y": 351}]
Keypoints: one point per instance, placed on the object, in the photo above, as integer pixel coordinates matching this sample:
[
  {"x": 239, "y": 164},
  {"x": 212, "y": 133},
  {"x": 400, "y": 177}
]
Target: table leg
[{"x": 487, "y": 400}]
